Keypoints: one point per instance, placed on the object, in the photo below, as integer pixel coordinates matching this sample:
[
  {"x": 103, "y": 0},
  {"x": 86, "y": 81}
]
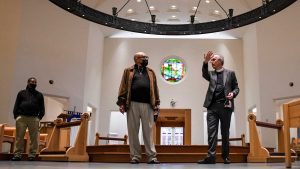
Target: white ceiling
[{"x": 173, "y": 12}]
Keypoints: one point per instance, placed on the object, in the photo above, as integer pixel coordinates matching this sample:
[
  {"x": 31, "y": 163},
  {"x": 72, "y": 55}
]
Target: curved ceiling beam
[{"x": 83, "y": 11}]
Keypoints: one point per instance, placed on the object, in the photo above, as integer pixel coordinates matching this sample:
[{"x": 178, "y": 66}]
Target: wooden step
[
  {"x": 166, "y": 149},
  {"x": 122, "y": 157},
  {"x": 53, "y": 157}
]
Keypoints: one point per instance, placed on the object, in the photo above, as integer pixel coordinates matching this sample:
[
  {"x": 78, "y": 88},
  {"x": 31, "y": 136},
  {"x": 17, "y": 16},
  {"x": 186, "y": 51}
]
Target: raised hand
[{"x": 208, "y": 56}]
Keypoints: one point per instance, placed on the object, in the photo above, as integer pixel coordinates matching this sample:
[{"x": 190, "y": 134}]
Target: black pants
[{"x": 215, "y": 113}]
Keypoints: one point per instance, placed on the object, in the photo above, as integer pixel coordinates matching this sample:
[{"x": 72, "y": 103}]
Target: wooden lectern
[{"x": 174, "y": 118}]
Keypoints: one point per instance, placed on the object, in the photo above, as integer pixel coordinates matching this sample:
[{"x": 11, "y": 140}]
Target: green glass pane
[{"x": 173, "y": 70}]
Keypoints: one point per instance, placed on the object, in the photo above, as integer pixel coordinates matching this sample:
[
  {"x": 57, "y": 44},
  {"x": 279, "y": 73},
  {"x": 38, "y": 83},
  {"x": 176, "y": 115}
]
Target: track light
[
  {"x": 230, "y": 13},
  {"x": 153, "y": 18},
  {"x": 192, "y": 19},
  {"x": 114, "y": 11}
]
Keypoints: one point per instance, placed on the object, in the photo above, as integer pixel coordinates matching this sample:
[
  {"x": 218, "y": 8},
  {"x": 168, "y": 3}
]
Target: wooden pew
[
  {"x": 291, "y": 117},
  {"x": 7, "y": 135},
  {"x": 98, "y": 138},
  {"x": 242, "y": 139},
  {"x": 258, "y": 153},
  {"x": 53, "y": 151}
]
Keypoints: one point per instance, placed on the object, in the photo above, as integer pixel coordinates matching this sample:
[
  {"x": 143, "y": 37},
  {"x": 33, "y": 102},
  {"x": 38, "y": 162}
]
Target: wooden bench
[
  {"x": 53, "y": 151},
  {"x": 291, "y": 117},
  {"x": 242, "y": 139},
  {"x": 98, "y": 138},
  {"x": 7, "y": 135},
  {"x": 258, "y": 153}
]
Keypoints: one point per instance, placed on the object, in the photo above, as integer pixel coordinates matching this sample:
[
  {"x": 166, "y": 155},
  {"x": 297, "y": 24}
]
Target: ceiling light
[
  {"x": 173, "y": 7},
  {"x": 173, "y": 16},
  {"x": 130, "y": 11},
  {"x": 194, "y": 8},
  {"x": 151, "y": 8},
  {"x": 207, "y": 1},
  {"x": 217, "y": 12},
  {"x": 138, "y": 0},
  {"x": 133, "y": 19}
]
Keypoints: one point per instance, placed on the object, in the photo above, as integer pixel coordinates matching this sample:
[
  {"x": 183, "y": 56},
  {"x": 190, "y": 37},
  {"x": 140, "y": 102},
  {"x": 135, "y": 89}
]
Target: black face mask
[
  {"x": 32, "y": 86},
  {"x": 144, "y": 63}
]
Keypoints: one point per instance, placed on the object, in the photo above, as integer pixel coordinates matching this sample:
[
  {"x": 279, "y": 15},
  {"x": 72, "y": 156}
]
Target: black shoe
[
  {"x": 227, "y": 161},
  {"x": 154, "y": 161},
  {"x": 16, "y": 158},
  {"x": 31, "y": 158},
  {"x": 207, "y": 161},
  {"x": 134, "y": 161}
]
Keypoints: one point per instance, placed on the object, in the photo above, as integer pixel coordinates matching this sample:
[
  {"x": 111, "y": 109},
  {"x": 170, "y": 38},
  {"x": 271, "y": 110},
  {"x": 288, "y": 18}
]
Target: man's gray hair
[{"x": 220, "y": 57}]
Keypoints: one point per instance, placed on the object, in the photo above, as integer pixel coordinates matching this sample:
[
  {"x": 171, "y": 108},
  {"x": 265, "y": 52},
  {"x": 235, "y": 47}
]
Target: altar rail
[{"x": 98, "y": 138}]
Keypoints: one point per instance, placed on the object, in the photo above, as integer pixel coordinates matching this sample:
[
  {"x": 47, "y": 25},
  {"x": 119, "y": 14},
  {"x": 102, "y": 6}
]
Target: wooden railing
[
  {"x": 98, "y": 138},
  {"x": 242, "y": 139}
]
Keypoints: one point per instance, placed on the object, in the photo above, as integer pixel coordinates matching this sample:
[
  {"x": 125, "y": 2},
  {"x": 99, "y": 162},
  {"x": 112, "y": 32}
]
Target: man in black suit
[{"x": 223, "y": 88}]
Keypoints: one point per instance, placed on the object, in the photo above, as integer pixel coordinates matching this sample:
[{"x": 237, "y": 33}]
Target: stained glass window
[{"x": 173, "y": 70}]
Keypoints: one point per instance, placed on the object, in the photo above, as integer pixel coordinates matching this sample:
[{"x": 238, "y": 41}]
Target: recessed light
[
  {"x": 194, "y": 8},
  {"x": 213, "y": 20},
  {"x": 173, "y": 16},
  {"x": 130, "y": 11},
  {"x": 133, "y": 19},
  {"x": 207, "y": 1},
  {"x": 217, "y": 12},
  {"x": 138, "y": 0},
  {"x": 151, "y": 7},
  {"x": 173, "y": 7}
]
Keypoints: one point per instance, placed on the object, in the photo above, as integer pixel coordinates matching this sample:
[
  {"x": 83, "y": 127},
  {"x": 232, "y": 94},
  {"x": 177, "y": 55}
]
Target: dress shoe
[
  {"x": 134, "y": 161},
  {"x": 31, "y": 158},
  {"x": 207, "y": 161},
  {"x": 16, "y": 158},
  {"x": 227, "y": 161},
  {"x": 154, "y": 161}
]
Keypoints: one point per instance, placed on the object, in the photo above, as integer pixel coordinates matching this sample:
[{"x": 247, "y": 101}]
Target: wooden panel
[{"x": 174, "y": 118}]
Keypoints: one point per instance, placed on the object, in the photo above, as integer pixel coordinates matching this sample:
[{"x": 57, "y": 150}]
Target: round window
[{"x": 173, "y": 70}]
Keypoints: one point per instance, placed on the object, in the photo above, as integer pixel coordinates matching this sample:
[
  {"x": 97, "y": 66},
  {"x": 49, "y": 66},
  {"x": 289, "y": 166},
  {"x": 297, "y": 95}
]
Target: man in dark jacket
[
  {"x": 223, "y": 88},
  {"x": 29, "y": 109}
]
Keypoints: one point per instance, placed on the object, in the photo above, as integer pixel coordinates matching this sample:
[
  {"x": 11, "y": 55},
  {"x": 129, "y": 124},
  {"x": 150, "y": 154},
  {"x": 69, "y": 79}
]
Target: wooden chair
[
  {"x": 98, "y": 138},
  {"x": 291, "y": 119}
]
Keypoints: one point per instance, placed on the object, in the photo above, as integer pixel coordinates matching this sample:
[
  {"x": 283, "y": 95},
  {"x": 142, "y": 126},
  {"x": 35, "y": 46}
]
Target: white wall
[
  {"x": 44, "y": 41},
  {"x": 251, "y": 73},
  {"x": 93, "y": 73},
  {"x": 190, "y": 93},
  {"x": 9, "y": 35},
  {"x": 278, "y": 62}
]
